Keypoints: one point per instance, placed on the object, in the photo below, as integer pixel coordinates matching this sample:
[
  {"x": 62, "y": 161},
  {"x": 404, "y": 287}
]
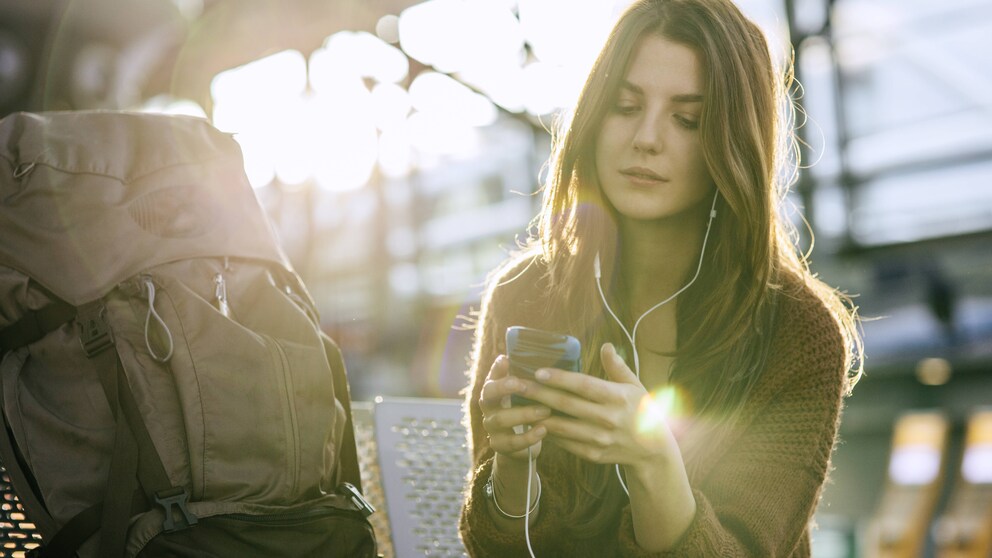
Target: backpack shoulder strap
[
  {"x": 30, "y": 328},
  {"x": 11, "y": 461},
  {"x": 35, "y": 324}
]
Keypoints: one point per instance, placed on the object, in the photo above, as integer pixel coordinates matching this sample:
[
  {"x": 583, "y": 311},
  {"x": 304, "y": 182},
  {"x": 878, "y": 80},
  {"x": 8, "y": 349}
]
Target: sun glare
[{"x": 658, "y": 408}]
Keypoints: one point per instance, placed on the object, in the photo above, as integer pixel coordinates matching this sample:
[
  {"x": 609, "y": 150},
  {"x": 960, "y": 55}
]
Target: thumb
[{"x": 616, "y": 369}]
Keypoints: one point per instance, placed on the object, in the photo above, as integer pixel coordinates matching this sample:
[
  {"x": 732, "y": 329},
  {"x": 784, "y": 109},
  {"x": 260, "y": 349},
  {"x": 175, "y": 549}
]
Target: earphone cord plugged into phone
[
  {"x": 632, "y": 334},
  {"x": 530, "y": 480}
]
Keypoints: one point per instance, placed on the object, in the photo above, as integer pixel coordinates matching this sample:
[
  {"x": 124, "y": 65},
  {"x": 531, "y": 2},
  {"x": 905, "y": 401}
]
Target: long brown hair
[{"x": 745, "y": 130}]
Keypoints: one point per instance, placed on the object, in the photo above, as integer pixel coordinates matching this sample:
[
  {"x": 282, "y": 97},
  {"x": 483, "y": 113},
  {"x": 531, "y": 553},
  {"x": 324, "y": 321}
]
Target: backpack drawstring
[{"x": 150, "y": 287}]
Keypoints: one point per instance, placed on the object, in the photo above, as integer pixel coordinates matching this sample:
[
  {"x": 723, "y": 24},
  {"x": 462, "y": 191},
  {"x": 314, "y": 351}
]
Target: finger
[
  {"x": 578, "y": 431},
  {"x": 510, "y": 442},
  {"x": 585, "y": 451},
  {"x": 496, "y": 390},
  {"x": 570, "y": 403},
  {"x": 583, "y": 385},
  {"x": 500, "y": 368},
  {"x": 616, "y": 369},
  {"x": 506, "y": 419}
]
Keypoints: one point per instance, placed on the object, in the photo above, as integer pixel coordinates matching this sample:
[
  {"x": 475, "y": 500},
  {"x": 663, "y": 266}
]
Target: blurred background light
[
  {"x": 349, "y": 53},
  {"x": 914, "y": 465},
  {"x": 275, "y": 77},
  {"x": 444, "y": 98},
  {"x": 395, "y": 151},
  {"x": 166, "y": 104},
  {"x": 391, "y": 105},
  {"x": 436, "y": 134},
  {"x": 243, "y": 101},
  {"x": 388, "y": 28},
  {"x": 567, "y": 32},
  {"x": 933, "y": 371},
  {"x": 436, "y": 32}
]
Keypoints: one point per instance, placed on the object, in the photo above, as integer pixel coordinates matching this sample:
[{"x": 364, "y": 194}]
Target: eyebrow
[{"x": 683, "y": 98}]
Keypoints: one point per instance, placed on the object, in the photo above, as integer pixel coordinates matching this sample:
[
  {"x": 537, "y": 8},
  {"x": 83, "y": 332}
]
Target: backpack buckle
[
  {"x": 176, "y": 496},
  {"x": 356, "y": 498},
  {"x": 94, "y": 333}
]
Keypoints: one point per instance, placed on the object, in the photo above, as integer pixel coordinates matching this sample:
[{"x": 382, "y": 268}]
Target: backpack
[{"x": 165, "y": 385}]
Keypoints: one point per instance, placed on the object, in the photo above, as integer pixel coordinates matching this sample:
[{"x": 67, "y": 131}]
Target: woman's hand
[
  {"x": 500, "y": 419},
  {"x": 512, "y": 431},
  {"x": 603, "y": 422}
]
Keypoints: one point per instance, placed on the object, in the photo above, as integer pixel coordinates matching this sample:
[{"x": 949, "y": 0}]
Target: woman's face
[{"x": 649, "y": 159}]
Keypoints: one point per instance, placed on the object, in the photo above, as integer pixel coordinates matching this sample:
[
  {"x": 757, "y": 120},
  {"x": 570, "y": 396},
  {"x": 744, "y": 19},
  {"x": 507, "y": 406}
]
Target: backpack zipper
[{"x": 220, "y": 294}]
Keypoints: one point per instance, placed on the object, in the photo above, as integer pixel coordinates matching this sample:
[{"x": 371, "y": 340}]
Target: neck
[{"x": 659, "y": 256}]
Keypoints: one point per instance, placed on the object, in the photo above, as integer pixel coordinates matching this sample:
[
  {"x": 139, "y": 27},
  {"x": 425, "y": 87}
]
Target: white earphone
[{"x": 632, "y": 334}]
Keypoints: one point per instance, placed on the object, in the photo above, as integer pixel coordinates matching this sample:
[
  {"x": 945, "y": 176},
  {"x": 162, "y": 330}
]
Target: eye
[
  {"x": 626, "y": 108},
  {"x": 686, "y": 122}
]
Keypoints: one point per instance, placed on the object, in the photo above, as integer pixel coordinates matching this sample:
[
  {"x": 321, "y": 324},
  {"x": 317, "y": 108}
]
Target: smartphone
[{"x": 529, "y": 349}]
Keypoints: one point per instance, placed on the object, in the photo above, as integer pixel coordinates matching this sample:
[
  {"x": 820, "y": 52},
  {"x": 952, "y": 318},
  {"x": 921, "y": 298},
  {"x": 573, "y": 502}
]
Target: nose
[{"x": 647, "y": 137}]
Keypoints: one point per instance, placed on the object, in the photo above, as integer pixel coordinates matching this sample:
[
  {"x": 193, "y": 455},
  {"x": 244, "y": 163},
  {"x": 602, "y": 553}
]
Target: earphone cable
[
  {"x": 632, "y": 334},
  {"x": 530, "y": 480}
]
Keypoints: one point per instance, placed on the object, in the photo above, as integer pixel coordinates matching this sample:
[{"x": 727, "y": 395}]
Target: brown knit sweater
[{"x": 755, "y": 494}]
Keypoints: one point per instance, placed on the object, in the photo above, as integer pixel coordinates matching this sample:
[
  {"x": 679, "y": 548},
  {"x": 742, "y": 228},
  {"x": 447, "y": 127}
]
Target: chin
[
  {"x": 645, "y": 213},
  {"x": 640, "y": 214}
]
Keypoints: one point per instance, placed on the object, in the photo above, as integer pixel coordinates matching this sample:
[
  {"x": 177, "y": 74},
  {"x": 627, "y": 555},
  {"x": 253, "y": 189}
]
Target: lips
[{"x": 643, "y": 175}]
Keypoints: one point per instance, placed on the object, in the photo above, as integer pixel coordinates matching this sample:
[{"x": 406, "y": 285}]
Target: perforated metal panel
[
  {"x": 17, "y": 534},
  {"x": 423, "y": 462}
]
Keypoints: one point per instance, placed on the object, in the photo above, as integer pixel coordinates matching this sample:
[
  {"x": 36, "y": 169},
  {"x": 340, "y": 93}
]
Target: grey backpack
[{"x": 165, "y": 386}]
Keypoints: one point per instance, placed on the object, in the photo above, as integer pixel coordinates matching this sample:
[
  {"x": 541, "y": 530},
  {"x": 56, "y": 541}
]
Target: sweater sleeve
[{"x": 759, "y": 498}]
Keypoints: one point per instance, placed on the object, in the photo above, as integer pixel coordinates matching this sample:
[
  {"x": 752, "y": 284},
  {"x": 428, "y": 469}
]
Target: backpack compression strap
[{"x": 135, "y": 457}]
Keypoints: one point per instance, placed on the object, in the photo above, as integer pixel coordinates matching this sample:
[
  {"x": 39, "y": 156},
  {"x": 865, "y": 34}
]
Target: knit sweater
[{"x": 755, "y": 493}]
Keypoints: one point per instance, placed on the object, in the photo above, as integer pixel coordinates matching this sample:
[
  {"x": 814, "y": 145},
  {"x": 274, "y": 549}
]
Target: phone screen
[{"x": 529, "y": 349}]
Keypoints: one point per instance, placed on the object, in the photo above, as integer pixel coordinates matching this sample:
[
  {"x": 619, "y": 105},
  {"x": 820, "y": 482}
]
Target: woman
[{"x": 660, "y": 247}]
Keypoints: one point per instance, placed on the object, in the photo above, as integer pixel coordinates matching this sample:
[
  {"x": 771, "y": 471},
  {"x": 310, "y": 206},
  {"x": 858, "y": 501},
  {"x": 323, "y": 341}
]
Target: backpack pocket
[{"x": 245, "y": 394}]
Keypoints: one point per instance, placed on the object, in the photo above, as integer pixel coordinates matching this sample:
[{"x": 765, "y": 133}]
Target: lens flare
[{"x": 659, "y": 408}]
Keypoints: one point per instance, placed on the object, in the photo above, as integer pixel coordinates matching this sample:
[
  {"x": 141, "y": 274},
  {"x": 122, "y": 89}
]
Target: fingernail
[
  {"x": 542, "y": 374},
  {"x": 540, "y": 431},
  {"x": 542, "y": 411},
  {"x": 512, "y": 384},
  {"x": 500, "y": 359}
]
